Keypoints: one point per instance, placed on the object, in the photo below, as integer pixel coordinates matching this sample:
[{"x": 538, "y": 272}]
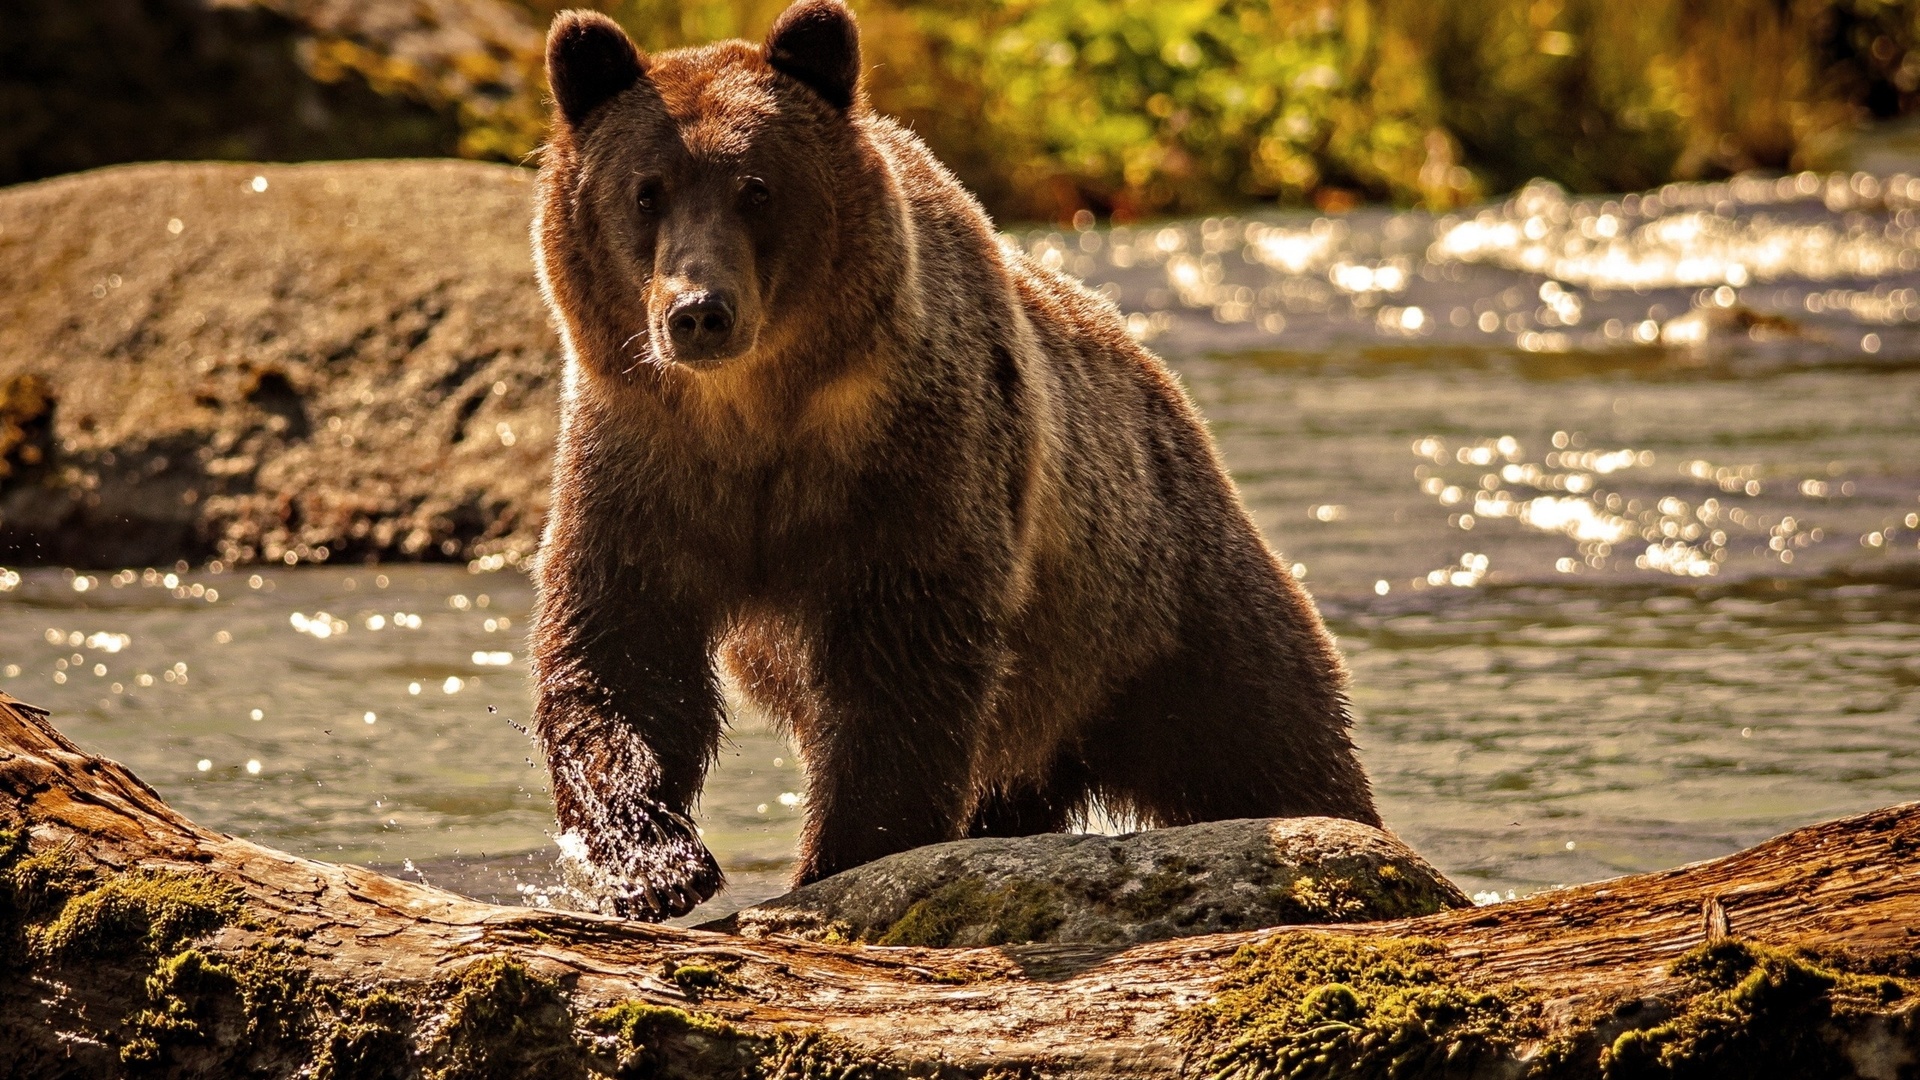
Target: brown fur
[{"x": 929, "y": 503}]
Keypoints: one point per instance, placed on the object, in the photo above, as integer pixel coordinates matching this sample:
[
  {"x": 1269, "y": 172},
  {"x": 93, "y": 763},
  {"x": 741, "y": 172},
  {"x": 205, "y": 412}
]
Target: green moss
[
  {"x": 183, "y": 988},
  {"x": 505, "y": 1022},
  {"x": 1754, "y": 1011},
  {"x": 1312, "y": 1005},
  {"x": 1157, "y": 893},
  {"x": 965, "y": 912},
  {"x": 13, "y": 846},
  {"x": 147, "y": 911},
  {"x": 960, "y": 976},
  {"x": 41, "y": 882},
  {"x": 637, "y": 1021},
  {"x": 13, "y": 907},
  {"x": 370, "y": 1039},
  {"x": 815, "y": 1055},
  {"x": 224, "y": 1009},
  {"x": 1323, "y": 900},
  {"x": 1386, "y": 893},
  {"x": 1316, "y": 1005},
  {"x": 238, "y": 1012},
  {"x": 695, "y": 979},
  {"x": 645, "y": 1040},
  {"x": 281, "y": 1000}
]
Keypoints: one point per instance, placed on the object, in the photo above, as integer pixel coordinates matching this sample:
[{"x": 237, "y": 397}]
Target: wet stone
[{"x": 1088, "y": 889}]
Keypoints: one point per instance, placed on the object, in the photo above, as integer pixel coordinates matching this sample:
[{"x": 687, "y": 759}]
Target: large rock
[
  {"x": 251, "y": 362},
  {"x": 1163, "y": 883}
]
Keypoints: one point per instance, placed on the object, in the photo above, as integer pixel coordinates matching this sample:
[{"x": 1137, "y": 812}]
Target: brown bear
[{"x": 926, "y": 501}]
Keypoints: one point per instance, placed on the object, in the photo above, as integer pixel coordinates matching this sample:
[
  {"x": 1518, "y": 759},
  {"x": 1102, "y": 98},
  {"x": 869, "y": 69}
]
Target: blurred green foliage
[
  {"x": 89, "y": 84},
  {"x": 1044, "y": 107},
  {"x": 1135, "y": 107},
  {"x": 106, "y": 81},
  {"x": 1138, "y": 107}
]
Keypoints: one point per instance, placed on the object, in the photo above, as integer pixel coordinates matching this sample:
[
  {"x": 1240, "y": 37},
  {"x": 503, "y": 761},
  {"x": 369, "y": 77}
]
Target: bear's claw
[
  {"x": 657, "y": 871},
  {"x": 664, "y": 881},
  {"x": 645, "y": 859}
]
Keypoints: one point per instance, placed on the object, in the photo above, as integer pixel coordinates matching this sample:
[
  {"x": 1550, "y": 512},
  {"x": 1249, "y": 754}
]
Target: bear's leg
[
  {"x": 1238, "y": 723},
  {"x": 1036, "y": 807},
  {"x": 905, "y": 672},
  {"x": 872, "y": 794},
  {"x": 629, "y": 714}
]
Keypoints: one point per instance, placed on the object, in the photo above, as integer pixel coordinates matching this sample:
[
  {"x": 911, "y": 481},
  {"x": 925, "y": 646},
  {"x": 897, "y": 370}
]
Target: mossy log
[{"x": 138, "y": 943}]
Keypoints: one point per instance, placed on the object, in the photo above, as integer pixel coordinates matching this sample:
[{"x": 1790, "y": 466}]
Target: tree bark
[{"x": 1583, "y": 955}]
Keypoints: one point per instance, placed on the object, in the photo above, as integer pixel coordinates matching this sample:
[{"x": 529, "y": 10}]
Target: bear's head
[{"x": 706, "y": 205}]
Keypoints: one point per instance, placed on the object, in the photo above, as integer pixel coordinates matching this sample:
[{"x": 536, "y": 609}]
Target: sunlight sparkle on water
[
  {"x": 1685, "y": 242},
  {"x": 1791, "y": 260},
  {"x": 1677, "y": 537}
]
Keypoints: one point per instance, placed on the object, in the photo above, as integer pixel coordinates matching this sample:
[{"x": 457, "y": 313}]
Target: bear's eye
[
  {"x": 754, "y": 191},
  {"x": 647, "y": 200}
]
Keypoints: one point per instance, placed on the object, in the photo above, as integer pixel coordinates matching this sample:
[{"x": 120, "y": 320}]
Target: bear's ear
[
  {"x": 589, "y": 59},
  {"x": 817, "y": 42}
]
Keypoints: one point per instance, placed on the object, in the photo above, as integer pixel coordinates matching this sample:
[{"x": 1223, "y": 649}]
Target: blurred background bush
[{"x": 1126, "y": 108}]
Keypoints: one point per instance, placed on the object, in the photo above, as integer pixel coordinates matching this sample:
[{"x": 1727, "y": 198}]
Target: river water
[{"x": 1613, "y": 504}]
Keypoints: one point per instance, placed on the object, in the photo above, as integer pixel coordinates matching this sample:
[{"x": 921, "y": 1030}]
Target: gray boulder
[{"x": 1081, "y": 889}]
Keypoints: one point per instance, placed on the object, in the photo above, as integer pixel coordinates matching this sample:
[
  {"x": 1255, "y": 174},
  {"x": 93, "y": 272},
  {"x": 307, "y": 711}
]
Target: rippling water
[{"x": 1614, "y": 505}]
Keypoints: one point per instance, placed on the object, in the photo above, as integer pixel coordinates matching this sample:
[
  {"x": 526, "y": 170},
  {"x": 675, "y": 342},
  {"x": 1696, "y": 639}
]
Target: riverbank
[{"x": 289, "y": 363}]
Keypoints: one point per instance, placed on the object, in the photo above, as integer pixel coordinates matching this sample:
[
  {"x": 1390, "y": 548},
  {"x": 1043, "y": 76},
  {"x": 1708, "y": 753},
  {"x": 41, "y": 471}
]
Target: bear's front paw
[{"x": 642, "y": 861}]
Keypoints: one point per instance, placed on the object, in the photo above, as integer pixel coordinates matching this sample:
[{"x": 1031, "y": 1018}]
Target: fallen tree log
[{"x": 138, "y": 943}]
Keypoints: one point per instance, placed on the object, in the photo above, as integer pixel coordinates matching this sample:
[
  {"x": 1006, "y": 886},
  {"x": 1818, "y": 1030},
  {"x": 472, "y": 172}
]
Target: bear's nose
[{"x": 700, "y": 323}]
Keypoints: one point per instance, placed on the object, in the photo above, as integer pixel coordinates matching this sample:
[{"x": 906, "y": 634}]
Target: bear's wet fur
[{"x": 927, "y": 502}]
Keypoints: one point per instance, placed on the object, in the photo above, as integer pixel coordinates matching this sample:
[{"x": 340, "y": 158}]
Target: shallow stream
[{"x": 1613, "y": 504}]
